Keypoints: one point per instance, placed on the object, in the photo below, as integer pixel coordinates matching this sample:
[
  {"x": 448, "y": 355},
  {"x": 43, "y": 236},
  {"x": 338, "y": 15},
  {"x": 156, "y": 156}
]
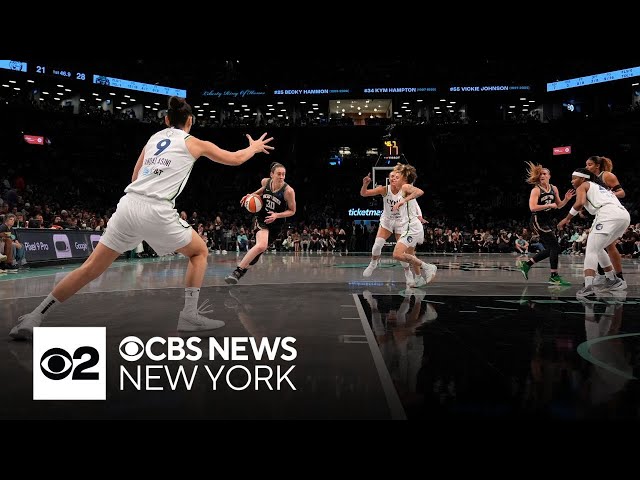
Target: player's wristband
[{"x": 573, "y": 212}]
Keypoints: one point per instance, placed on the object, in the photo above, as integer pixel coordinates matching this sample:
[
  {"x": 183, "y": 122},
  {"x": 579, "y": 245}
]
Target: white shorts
[
  {"x": 412, "y": 235},
  {"x": 140, "y": 218},
  {"x": 394, "y": 225},
  {"x": 608, "y": 228}
]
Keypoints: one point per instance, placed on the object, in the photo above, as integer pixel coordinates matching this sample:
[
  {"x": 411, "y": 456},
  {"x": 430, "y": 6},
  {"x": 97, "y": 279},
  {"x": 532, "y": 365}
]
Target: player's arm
[
  {"x": 567, "y": 196},
  {"x": 260, "y": 191},
  {"x": 290, "y": 197},
  {"x": 138, "y": 166},
  {"x": 381, "y": 190},
  {"x": 200, "y": 148},
  {"x": 409, "y": 192},
  {"x": 613, "y": 183},
  {"x": 263, "y": 186},
  {"x": 419, "y": 214},
  {"x": 581, "y": 200}
]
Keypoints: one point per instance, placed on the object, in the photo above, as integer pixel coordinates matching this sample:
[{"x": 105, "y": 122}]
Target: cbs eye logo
[
  {"x": 131, "y": 349},
  {"x": 69, "y": 363},
  {"x": 57, "y": 364}
]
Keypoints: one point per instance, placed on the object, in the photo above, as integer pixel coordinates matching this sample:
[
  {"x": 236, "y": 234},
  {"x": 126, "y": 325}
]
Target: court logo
[
  {"x": 599, "y": 226},
  {"x": 69, "y": 363}
]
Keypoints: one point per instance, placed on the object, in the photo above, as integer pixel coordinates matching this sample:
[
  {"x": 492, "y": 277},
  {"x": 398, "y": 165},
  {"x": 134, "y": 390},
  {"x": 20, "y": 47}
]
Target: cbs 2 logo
[{"x": 57, "y": 364}]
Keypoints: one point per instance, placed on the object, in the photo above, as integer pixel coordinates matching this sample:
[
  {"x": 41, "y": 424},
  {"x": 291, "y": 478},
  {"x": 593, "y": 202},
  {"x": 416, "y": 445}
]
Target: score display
[
  {"x": 593, "y": 79},
  {"x": 70, "y": 74}
]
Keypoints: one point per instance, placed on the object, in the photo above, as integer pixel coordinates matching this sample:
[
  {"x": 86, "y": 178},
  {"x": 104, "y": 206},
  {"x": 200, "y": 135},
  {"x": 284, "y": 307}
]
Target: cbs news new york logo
[{"x": 69, "y": 363}]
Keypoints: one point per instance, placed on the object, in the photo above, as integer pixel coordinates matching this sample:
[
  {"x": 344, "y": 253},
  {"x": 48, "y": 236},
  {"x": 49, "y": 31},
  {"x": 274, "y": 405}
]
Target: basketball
[{"x": 253, "y": 203}]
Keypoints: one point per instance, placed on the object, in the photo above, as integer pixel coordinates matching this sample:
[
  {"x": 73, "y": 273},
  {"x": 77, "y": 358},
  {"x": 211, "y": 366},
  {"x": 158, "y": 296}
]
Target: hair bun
[{"x": 176, "y": 103}]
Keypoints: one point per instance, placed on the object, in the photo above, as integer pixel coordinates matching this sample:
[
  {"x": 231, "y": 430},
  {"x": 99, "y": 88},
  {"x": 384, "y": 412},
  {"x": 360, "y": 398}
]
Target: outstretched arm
[
  {"x": 199, "y": 148},
  {"x": 567, "y": 196},
  {"x": 581, "y": 200}
]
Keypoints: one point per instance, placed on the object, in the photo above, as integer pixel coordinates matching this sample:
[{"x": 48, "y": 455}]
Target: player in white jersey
[
  {"x": 611, "y": 221},
  {"x": 390, "y": 221},
  {"x": 412, "y": 234},
  {"x": 146, "y": 212},
  {"x": 602, "y": 168}
]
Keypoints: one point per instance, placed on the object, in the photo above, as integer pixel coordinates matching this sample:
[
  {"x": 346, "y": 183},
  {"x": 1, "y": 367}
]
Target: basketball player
[
  {"x": 147, "y": 212},
  {"x": 611, "y": 221},
  {"x": 278, "y": 203},
  {"x": 543, "y": 200},
  {"x": 602, "y": 168},
  {"x": 412, "y": 233},
  {"x": 390, "y": 222}
]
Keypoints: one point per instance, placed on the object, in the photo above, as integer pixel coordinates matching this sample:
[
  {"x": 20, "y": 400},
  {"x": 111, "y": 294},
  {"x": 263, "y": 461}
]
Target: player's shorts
[
  {"x": 412, "y": 235},
  {"x": 274, "y": 227},
  {"x": 613, "y": 222},
  {"x": 139, "y": 218},
  {"x": 394, "y": 225}
]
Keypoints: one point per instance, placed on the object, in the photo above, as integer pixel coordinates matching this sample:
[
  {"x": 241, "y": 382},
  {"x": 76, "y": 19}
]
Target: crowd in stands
[{"x": 473, "y": 177}]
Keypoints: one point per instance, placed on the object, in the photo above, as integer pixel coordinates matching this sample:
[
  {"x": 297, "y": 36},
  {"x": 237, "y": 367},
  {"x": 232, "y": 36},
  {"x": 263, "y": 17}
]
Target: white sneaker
[
  {"x": 429, "y": 271},
  {"x": 420, "y": 282},
  {"x": 408, "y": 277},
  {"x": 611, "y": 284},
  {"x": 196, "y": 322},
  {"x": 373, "y": 264},
  {"x": 599, "y": 279},
  {"x": 588, "y": 291},
  {"x": 26, "y": 323}
]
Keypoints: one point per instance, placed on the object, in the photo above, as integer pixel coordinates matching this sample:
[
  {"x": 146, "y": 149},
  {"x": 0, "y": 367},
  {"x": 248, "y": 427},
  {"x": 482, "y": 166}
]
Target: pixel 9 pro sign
[{"x": 45, "y": 245}]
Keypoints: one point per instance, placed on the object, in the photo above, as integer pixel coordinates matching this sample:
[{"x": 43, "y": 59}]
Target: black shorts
[
  {"x": 274, "y": 227},
  {"x": 541, "y": 226}
]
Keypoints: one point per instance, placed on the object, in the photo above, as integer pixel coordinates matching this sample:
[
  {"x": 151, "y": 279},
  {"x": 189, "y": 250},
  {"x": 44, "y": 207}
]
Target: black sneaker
[{"x": 236, "y": 275}]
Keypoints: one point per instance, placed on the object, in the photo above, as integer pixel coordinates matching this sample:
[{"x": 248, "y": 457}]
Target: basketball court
[{"x": 480, "y": 342}]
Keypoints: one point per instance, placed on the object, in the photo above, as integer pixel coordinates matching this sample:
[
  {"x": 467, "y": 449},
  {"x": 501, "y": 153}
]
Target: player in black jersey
[
  {"x": 278, "y": 203},
  {"x": 602, "y": 168},
  {"x": 544, "y": 200}
]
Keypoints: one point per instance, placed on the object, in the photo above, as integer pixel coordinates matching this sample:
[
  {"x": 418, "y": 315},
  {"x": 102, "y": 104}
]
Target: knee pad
[{"x": 377, "y": 246}]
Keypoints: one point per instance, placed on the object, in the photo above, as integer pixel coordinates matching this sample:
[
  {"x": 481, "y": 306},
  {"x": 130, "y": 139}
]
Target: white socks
[
  {"x": 47, "y": 305},
  {"x": 191, "y": 295}
]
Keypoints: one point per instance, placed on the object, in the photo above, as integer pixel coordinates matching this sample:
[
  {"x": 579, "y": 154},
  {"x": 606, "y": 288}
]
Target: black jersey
[
  {"x": 544, "y": 220},
  {"x": 272, "y": 202}
]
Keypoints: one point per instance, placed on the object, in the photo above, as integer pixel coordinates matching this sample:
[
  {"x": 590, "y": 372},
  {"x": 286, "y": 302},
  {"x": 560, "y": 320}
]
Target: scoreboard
[{"x": 58, "y": 71}]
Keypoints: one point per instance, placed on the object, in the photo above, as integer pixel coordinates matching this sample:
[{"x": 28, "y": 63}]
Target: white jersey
[
  {"x": 410, "y": 212},
  {"x": 389, "y": 200},
  {"x": 602, "y": 202},
  {"x": 166, "y": 166}
]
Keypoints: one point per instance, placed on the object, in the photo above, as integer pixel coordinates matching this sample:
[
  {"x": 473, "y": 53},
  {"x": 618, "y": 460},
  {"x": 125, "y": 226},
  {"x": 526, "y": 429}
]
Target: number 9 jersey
[{"x": 166, "y": 166}]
